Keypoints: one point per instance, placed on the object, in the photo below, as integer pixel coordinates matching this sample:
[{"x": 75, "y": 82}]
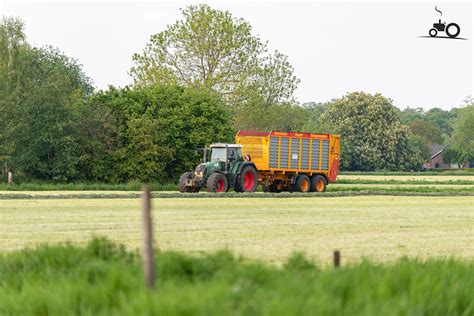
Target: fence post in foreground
[
  {"x": 337, "y": 259},
  {"x": 148, "y": 260}
]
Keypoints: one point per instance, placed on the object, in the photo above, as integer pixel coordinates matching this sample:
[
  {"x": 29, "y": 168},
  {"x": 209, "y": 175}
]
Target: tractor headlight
[{"x": 199, "y": 172}]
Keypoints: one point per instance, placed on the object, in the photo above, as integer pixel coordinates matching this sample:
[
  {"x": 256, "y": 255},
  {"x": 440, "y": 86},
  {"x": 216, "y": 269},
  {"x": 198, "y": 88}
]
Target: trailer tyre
[
  {"x": 182, "y": 183},
  {"x": 247, "y": 180},
  {"x": 318, "y": 183},
  {"x": 302, "y": 184},
  {"x": 217, "y": 182}
]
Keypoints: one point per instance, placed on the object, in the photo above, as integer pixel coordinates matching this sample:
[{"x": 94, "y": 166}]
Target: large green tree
[
  {"x": 44, "y": 136},
  {"x": 461, "y": 150},
  {"x": 40, "y": 89},
  {"x": 13, "y": 57},
  {"x": 282, "y": 117},
  {"x": 441, "y": 119},
  {"x": 372, "y": 136},
  {"x": 312, "y": 122},
  {"x": 427, "y": 131},
  {"x": 208, "y": 48},
  {"x": 211, "y": 49}
]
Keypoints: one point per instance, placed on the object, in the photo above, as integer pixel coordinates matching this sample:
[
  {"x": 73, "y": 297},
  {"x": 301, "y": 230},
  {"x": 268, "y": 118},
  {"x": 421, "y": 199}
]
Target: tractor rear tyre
[
  {"x": 247, "y": 180},
  {"x": 182, "y": 183},
  {"x": 217, "y": 182},
  {"x": 318, "y": 183},
  {"x": 302, "y": 184},
  {"x": 453, "y": 33}
]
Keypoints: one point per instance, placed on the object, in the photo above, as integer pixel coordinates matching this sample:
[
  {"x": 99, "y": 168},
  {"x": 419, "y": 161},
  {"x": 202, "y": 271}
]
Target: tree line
[{"x": 196, "y": 82}]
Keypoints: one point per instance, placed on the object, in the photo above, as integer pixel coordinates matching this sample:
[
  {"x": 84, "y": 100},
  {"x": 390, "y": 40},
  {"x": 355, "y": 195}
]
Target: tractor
[
  {"x": 223, "y": 168},
  {"x": 442, "y": 27}
]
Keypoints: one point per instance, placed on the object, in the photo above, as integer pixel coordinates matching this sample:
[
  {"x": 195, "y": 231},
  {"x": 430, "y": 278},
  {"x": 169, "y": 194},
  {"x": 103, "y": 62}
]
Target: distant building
[{"x": 436, "y": 158}]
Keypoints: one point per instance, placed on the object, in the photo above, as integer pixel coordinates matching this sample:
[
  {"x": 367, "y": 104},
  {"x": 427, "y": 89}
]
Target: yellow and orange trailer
[{"x": 292, "y": 161}]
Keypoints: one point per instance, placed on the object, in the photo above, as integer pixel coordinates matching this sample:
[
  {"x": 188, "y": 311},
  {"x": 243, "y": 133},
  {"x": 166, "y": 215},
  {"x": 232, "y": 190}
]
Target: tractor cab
[
  {"x": 221, "y": 158},
  {"x": 223, "y": 153}
]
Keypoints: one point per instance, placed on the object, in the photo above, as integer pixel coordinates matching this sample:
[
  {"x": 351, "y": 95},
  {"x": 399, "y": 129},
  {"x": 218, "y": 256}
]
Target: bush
[{"x": 158, "y": 129}]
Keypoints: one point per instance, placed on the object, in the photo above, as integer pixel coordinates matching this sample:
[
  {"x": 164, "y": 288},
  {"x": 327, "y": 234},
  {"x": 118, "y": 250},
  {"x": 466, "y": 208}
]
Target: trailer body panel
[{"x": 279, "y": 153}]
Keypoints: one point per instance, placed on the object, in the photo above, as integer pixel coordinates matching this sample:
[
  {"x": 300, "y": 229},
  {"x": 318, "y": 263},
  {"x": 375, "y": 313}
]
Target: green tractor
[{"x": 222, "y": 168}]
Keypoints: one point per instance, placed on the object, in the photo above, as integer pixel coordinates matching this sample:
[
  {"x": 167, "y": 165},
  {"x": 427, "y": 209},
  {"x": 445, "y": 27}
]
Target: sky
[{"x": 335, "y": 47}]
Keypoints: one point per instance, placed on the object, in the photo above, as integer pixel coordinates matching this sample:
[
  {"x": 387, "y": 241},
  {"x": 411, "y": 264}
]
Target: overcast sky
[{"x": 335, "y": 47}]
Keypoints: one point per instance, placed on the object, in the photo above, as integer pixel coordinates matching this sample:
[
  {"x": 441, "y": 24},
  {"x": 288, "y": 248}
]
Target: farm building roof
[{"x": 437, "y": 149}]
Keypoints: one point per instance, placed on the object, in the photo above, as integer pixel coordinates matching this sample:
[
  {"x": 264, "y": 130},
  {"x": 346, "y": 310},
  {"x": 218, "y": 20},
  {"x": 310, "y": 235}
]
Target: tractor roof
[{"x": 221, "y": 145}]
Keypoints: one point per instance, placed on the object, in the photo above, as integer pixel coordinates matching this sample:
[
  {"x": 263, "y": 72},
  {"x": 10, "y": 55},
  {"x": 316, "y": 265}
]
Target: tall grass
[{"x": 104, "y": 278}]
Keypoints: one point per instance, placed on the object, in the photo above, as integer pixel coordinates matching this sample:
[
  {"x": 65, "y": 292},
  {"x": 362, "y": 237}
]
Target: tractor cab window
[
  {"x": 218, "y": 154},
  {"x": 234, "y": 154}
]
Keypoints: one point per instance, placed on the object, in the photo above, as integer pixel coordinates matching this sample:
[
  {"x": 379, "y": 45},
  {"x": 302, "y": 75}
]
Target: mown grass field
[
  {"x": 407, "y": 177},
  {"x": 381, "y": 228},
  {"x": 104, "y": 279}
]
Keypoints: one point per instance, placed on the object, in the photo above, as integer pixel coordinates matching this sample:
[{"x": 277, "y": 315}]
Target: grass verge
[
  {"x": 102, "y": 278},
  {"x": 334, "y": 192},
  {"x": 84, "y": 186}
]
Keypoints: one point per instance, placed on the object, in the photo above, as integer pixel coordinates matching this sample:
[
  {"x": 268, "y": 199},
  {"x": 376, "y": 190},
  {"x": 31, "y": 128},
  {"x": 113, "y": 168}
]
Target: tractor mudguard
[
  {"x": 243, "y": 164},
  {"x": 239, "y": 170}
]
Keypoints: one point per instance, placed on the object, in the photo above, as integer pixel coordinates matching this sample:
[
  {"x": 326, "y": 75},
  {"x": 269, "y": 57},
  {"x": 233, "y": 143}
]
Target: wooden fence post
[
  {"x": 337, "y": 259},
  {"x": 148, "y": 260}
]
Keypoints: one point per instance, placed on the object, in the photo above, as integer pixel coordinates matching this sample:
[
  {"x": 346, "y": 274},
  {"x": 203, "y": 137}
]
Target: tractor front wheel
[
  {"x": 247, "y": 180},
  {"x": 183, "y": 188},
  {"x": 217, "y": 182}
]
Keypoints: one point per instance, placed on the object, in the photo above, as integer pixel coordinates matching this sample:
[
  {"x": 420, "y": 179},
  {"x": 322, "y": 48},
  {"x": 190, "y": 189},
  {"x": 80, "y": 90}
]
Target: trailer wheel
[
  {"x": 217, "y": 182},
  {"x": 318, "y": 183},
  {"x": 247, "y": 180},
  {"x": 182, "y": 183},
  {"x": 302, "y": 184}
]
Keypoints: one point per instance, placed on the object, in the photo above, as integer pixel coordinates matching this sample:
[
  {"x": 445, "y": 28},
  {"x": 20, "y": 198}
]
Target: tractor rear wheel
[
  {"x": 217, "y": 182},
  {"x": 247, "y": 180},
  {"x": 182, "y": 183},
  {"x": 302, "y": 184},
  {"x": 450, "y": 32},
  {"x": 318, "y": 183}
]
